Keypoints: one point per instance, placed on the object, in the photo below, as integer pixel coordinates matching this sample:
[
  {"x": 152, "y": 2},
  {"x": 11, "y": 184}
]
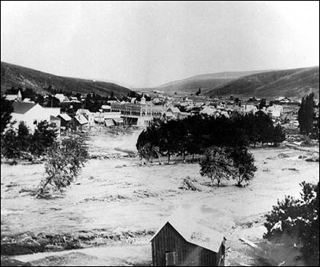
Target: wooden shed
[{"x": 183, "y": 242}]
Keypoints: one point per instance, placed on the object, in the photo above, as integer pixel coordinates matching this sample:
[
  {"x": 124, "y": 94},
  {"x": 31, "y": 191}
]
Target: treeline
[
  {"x": 194, "y": 134},
  {"x": 21, "y": 143}
]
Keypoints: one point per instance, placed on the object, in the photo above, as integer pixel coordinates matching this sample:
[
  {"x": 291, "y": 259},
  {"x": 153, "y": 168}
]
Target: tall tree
[{"x": 305, "y": 114}]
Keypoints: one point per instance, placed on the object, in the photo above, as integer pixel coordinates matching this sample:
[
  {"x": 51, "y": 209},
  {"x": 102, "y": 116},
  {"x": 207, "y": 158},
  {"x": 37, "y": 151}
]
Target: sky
[{"x": 147, "y": 44}]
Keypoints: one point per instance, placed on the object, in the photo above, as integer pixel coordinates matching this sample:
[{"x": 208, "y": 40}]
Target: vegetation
[
  {"x": 270, "y": 84},
  {"x": 243, "y": 161},
  {"x": 6, "y": 110},
  {"x": 298, "y": 218},
  {"x": 223, "y": 142},
  {"x": 45, "y": 82},
  {"x": 18, "y": 144},
  {"x": 217, "y": 165},
  {"x": 306, "y": 114},
  {"x": 64, "y": 163},
  {"x": 194, "y": 134}
]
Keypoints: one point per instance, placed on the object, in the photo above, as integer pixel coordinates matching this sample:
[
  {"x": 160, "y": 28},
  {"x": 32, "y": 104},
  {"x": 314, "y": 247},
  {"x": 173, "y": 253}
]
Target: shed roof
[
  {"x": 173, "y": 110},
  {"x": 193, "y": 232},
  {"x": 65, "y": 116},
  {"x": 22, "y": 107},
  {"x": 109, "y": 122},
  {"x": 81, "y": 119}
]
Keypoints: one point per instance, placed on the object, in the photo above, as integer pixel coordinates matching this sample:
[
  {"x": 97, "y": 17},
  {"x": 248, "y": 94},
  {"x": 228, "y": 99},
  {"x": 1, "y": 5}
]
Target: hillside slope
[
  {"x": 205, "y": 82},
  {"x": 17, "y": 76},
  {"x": 294, "y": 83}
]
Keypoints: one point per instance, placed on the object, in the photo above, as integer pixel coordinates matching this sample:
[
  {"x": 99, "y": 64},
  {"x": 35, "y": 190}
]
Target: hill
[
  {"x": 293, "y": 83},
  {"x": 205, "y": 81},
  {"x": 17, "y": 76}
]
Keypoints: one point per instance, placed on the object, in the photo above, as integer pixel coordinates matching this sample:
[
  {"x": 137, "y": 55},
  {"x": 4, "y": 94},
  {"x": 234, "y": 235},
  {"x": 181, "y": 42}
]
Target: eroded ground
[{"x": 115, "y": 205}]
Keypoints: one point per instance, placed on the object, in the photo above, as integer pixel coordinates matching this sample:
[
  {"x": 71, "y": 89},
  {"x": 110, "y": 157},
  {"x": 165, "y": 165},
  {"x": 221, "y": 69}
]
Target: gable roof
[
  {"x": 173, "y": 110},
  {"x": 22, "y": 107},
  {"x": 81, "y": 119},
  {"x": 193, "y": 232}
]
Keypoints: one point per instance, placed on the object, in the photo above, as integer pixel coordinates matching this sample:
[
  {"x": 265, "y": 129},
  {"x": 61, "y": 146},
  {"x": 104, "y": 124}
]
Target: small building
[
  {"x": 183, "y": 242},
  {"x": 275, "y": 111},
  {"x": 61, "y": 97},
  {"x": 208, "y": 110},
  {"x": 250, "y": 108},
  {"x": 64, "y": 120},
  {"x": 12, "y": 96},
  {"x": 106, "y": 108}
]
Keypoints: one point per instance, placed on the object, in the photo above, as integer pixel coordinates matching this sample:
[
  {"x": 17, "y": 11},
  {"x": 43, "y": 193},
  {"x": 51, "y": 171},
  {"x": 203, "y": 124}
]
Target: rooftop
[
  {"x": 193, "y": 232},
  {"x": 22, "y": 107}
]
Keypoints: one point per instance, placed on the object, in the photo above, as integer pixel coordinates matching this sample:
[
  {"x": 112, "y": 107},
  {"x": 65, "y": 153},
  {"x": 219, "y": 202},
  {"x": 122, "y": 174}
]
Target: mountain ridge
[{"x": 13, "y": 75}]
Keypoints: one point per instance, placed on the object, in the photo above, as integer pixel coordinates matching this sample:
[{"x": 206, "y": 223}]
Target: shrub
[
  {"x": 298, "y": 217},
  {"x": 64, "y": 163}
]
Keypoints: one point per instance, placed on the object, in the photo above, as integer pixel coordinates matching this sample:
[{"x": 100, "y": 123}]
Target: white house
[
  {"x": 275, "y": 111},
  {"x": 88, "y": 115},
  {"x": 208, "y": 110},
  {"x": 250, "y": 109},
  {"x": 32, "y": 114},
  {"x": 61, "y": 97},
  {"x": 12, "y": 97}
]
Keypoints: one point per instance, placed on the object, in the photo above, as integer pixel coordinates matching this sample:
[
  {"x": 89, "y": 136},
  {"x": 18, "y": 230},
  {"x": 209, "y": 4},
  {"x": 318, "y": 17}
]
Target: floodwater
[{"x": 117, "y": 196}]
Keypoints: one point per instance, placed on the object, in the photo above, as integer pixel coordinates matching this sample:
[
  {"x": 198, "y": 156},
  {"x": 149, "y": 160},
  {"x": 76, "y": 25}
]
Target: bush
[
  {"x": 298, "y": 217},
  {"x": 64, "y": 163}
]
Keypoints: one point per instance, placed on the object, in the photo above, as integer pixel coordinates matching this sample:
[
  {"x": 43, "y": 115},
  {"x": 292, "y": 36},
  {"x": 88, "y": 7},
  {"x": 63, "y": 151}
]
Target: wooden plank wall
[{"x": 169, "y": 240}]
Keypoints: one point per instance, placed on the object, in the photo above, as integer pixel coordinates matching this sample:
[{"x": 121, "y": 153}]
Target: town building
[
  {"x": 14, "y": 96},
  {"x": 137, "y": 114}
]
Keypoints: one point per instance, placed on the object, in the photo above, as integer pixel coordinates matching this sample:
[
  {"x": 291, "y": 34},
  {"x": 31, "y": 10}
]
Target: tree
[
  {"x": 263, "y": 103},
  {"x": 217, "y": 164},
  {"x": 43, "y": 137},
  {"x": 298, "y": 218},
  {"x": 148, "y": 141},
  {"x": 64, "y": 163},
  {"x": 244, "y": 162},
  {"x": 24, "y": 137},
  {"x": 6, "y": 110},
  {"x": 278, "y": 135},
  {"x": 305, "y": 114},
  {"x": 9, "y": 145}
]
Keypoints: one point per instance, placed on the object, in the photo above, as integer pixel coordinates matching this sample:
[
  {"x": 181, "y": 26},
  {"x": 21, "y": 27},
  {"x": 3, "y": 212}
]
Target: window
[{"x": 171, "y": 258}]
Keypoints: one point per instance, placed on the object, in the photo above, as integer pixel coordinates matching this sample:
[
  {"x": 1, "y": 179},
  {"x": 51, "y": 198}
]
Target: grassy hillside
[
  {"x": 17, "y": 76},
  {"x": 294, "y": 83},
  {"x": 205, "y": 81}
]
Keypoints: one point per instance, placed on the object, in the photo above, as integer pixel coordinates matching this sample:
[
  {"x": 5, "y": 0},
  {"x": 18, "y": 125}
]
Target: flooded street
[{"x": 115, "y": 202}]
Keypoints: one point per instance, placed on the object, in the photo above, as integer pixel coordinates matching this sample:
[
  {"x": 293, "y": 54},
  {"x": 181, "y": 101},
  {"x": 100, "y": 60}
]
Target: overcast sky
[{"x": 142, "y": 44}]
